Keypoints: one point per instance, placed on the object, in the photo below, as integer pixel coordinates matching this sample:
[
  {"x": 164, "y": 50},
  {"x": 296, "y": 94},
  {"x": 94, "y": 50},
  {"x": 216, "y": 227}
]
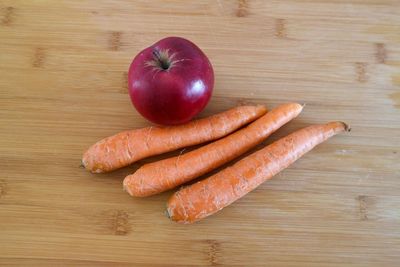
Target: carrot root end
[{"x": 347, "y": 128}]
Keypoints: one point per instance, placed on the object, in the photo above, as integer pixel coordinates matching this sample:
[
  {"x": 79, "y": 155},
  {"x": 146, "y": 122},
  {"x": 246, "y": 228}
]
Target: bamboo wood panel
[{"x": 63, "y": 68}]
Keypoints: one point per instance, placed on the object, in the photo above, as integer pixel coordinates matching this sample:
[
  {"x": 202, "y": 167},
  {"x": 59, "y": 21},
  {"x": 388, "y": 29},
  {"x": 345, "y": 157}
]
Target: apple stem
[{"x": 163, "y": 61}]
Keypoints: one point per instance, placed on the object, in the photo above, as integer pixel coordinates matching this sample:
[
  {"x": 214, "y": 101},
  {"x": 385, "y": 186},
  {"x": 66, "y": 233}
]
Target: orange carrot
[
  {"x": 127, "y": 147},
  {"x": 208, "y": 196},
  {"x": 166, "y": 174}
]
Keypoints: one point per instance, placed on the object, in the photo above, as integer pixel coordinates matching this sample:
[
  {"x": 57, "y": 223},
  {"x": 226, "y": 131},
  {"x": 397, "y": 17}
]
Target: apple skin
[{"x": 171, "y": 81}]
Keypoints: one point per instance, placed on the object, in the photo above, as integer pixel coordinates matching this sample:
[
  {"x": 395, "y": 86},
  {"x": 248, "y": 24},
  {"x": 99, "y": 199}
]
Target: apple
[{"x": 171, "y": 81}]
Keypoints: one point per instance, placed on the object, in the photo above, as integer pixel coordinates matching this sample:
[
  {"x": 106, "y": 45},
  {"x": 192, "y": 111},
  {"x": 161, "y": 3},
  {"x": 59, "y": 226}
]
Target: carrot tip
[{"x": 347, "y": 128}]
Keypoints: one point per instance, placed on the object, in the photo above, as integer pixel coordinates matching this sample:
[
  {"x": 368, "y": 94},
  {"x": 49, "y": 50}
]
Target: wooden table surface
[{"x": 63, "y": 68}]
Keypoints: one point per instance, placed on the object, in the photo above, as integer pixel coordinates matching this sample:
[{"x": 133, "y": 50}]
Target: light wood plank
[{"x": 63, "y": 67}]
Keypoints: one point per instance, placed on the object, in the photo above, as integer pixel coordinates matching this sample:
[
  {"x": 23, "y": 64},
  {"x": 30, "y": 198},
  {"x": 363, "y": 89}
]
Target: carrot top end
[{"x": 166, "y": 212}]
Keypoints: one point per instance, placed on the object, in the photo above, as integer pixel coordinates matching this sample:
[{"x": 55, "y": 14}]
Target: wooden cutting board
[{"x": 63, "y": 68}]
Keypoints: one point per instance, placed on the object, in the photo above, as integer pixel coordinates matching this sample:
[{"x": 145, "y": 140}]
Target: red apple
[{"x": 170, "y": 81}]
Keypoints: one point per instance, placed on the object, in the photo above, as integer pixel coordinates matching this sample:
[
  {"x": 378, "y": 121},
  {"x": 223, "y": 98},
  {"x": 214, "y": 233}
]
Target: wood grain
[{"x": 63, "y": 67}]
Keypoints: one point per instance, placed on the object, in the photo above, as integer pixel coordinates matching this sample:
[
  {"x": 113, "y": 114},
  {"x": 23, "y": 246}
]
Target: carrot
[
  {"x": 166, "y": 174},
  {"x": 127, "y": 147},
  {"x": 208, "y": 196}
]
